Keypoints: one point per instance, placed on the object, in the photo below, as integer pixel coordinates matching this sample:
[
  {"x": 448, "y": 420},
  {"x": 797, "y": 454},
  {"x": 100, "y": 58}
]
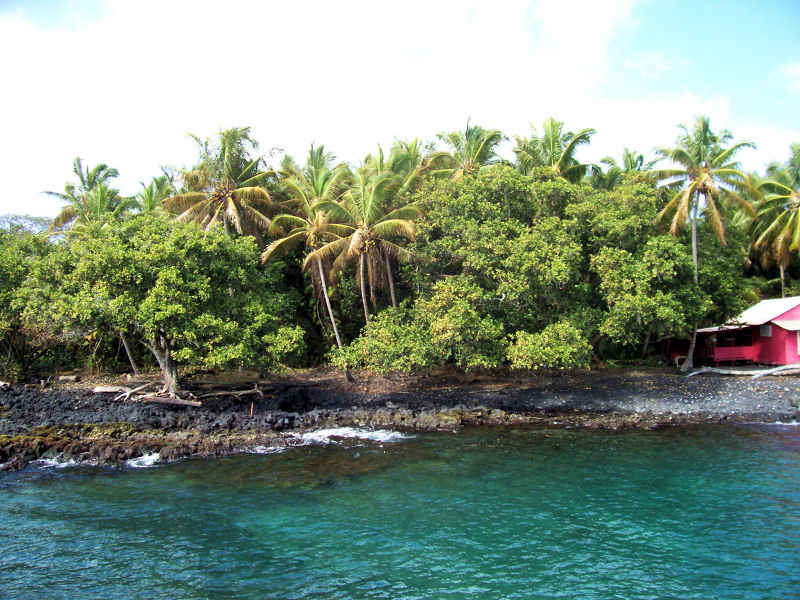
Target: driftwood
[
  {"x": 69, "y": 378},
  {"x": 782, "y": 370},
  {"x": 255, "y": 390},
  {"x": 127, "y": 393},
  {"x": 155, "y": 398},
  {"x": 109, "y": 389}
]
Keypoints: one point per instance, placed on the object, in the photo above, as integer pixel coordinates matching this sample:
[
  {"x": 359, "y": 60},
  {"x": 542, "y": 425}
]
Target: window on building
[{"x": 766, "y": 331}]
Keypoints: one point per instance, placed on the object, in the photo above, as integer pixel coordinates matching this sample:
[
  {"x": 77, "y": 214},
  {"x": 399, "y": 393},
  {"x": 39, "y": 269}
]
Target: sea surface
[{"x": 692, "y": 512}]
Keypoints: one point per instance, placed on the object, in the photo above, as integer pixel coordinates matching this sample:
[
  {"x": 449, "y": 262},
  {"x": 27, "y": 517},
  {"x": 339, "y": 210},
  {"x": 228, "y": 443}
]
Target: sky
[{"x": 124, "y": 82}]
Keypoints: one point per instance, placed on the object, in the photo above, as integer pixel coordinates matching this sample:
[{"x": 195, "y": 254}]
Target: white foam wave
[
  {"x": 332, "y": 435},
  {"x": 141, "y": 462},
  {"x": 266, "y": 449},
  {"x": 54, "y": 463}
]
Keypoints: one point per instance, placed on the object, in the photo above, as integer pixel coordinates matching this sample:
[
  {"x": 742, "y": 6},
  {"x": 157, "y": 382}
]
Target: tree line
[{"x": 429, "y": 254}]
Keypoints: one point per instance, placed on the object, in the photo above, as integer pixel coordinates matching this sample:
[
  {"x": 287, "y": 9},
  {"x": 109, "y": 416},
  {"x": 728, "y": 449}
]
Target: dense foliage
[{"x": 418, "y": 258}]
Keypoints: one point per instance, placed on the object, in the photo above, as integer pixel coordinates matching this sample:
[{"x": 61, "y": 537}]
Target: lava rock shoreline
[{"x": 69, "y": 422}]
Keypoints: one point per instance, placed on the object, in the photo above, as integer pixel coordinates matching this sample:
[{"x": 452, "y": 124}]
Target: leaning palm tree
[
  {"x": 777, "y": 233},
  {"x": 368, "y": 225},
  {"x": 554, "y": 149},
  {"x": 709, "y": 176},
  {"x": 312, "y": 193},
  {"x": 226, "y": 185},
  {"x": 469, "y": 151}
]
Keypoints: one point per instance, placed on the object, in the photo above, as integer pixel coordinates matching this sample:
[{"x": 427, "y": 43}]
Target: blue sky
[{"x": 123, "y": 82}]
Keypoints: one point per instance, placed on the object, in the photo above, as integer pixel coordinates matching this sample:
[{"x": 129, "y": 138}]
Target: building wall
[{"x": 778, "y": 349}]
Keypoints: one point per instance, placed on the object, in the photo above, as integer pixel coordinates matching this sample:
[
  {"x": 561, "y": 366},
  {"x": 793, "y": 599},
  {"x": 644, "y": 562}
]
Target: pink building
[{"x": 767, "y": 333}]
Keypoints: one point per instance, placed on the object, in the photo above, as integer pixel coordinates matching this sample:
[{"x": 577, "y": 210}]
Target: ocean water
[{"x": 693, "y": 512}]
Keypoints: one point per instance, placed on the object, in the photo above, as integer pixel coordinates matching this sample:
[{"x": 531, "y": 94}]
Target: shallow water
[{"x": 699, "y": 512}]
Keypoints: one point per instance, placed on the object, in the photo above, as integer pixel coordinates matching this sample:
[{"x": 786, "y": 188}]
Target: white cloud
[
  {"x": 648, "y": 65},
  {"x": 126, "y": 87},
  {"x": 791, "y": 75}
]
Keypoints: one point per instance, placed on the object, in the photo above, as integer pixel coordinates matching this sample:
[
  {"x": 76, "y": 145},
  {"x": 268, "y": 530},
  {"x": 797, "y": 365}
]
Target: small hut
[{"x": 767, "y": 333}]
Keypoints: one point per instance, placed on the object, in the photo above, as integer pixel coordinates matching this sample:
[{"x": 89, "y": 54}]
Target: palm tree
[
  {"x": 86, "y": 202},
  {"x": 226, "y": 185},
  {"x": 777, "y": 232},
  {"x": 411, "y": 162},
  {"x": 151, "y": 197},
  {"x": 632, "y": 161},
  {"x": 368, "y": 224},
  {"x": 709, "y": 175},
  {"x": 555, "y": 149},
  {"x": 313, "y": 191},
  {"x": 469, "y": 150}
]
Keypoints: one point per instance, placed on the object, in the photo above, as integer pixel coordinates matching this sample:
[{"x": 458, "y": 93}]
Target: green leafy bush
[{"x": 558, "y": 346}]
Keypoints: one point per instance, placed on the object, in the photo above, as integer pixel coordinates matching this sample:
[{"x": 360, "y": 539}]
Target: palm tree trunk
[
  {"x": 361, "y": 267},
  {"x": 328, "y": 302},
  {"x": 694, "y": 238},
  {"x": 130, "y": 355},
  {"x": 783, "y": 281},
  {"x": 228, "y": 233},
  {"x": 390, "y": 278},
  {"x": 689, "y": 362}
]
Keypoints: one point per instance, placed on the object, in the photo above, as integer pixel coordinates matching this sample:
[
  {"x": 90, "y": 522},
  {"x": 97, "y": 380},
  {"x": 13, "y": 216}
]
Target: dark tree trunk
[
  {"x": 362, "y": 280},
  {"x": 124, "y": 339},
  {"x": 689, "y": 362},
  {"x": 389, "y": 277},
  {"x": 328, "y": 302},
  {"x": 163, "y": 353},
  {"x": 646, "y": 343}
]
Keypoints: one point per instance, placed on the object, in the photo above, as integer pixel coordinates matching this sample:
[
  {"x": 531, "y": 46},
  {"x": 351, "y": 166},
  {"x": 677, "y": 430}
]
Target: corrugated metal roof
[
  {"x": 787, "y": 324},
  {"x": 766, "y": 311}
]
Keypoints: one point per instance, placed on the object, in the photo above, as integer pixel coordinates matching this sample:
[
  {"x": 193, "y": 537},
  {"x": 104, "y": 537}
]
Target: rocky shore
[{"x": 69, "y": 422}]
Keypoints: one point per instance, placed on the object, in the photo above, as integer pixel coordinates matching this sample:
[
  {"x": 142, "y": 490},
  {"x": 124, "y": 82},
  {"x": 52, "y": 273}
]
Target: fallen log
[
  {"x": 155, "y": 398},
  {"x": 754, "y": 374},
  {"x": 782, "y": 370},
  {"x": 69, "y": 378},
  {"x": 109, "y": 389}
]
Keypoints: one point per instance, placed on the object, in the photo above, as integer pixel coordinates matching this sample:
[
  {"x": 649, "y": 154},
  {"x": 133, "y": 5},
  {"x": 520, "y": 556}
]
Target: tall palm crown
[
  {"x": 778, "y": 229},
  {"x": 469, "y": 150},
  {"x": 554, "y": 149},
  {"x": 226, "y": 185},
  {"x": 312, "y": 192},
  {"x": 709, "y": 173},
  {"x": 151, "y": 197},
  {"x": 632, "y": 162},
  {"x": 368, "y": 224},
  {"x": 91, "y": 200},
  {"x": 411, "y": 162}
]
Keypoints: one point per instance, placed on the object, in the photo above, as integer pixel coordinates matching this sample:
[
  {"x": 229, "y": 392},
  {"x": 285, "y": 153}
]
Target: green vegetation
[{"x": 421, "y": 257}]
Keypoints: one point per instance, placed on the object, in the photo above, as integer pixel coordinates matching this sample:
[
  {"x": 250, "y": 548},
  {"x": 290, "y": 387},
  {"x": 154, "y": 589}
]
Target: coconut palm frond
[{"x": 283, "y": 246}]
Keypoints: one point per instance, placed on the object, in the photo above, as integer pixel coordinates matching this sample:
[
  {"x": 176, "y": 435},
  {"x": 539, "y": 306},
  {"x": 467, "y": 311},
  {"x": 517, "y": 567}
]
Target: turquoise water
[{"x": 697, "y": 512}]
